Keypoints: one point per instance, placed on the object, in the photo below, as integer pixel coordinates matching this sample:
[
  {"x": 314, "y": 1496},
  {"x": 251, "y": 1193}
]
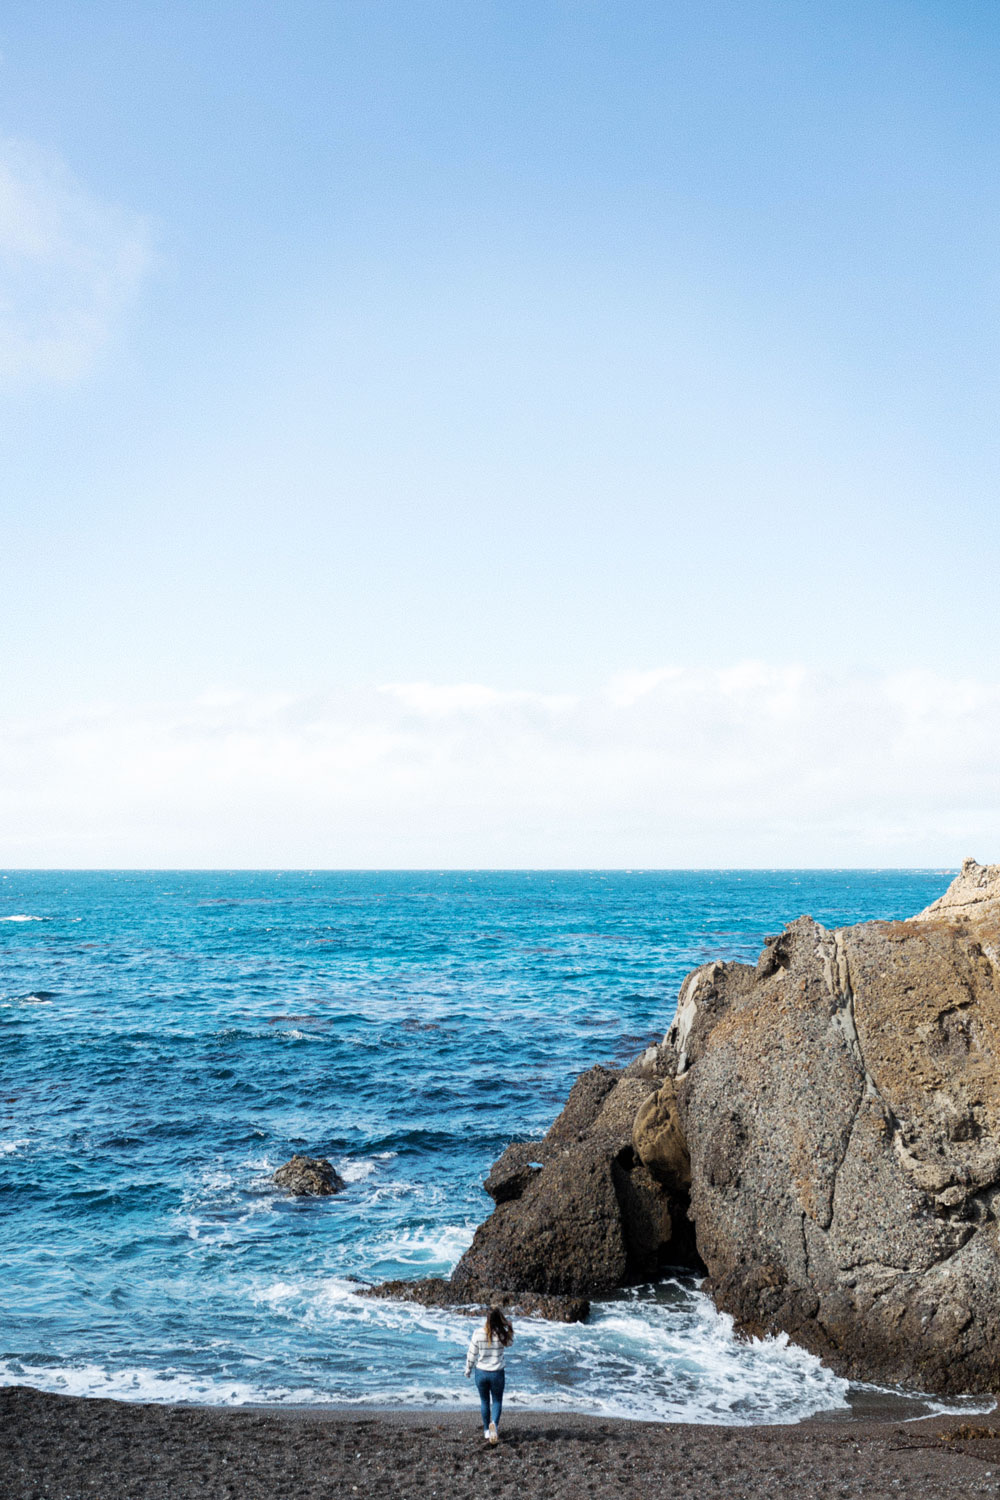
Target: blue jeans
[{"x": 490, "y": 1383}]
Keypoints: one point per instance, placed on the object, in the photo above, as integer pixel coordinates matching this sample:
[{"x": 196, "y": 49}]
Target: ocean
[{"x": 168, "y": 1038}]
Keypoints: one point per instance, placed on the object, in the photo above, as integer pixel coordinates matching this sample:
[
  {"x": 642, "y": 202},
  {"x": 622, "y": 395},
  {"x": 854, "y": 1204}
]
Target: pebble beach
[{"x": 68, "y": 1448}]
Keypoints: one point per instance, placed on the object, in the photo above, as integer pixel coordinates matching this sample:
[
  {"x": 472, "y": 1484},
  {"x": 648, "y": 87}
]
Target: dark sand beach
[{"x": 61, "y": 1448}]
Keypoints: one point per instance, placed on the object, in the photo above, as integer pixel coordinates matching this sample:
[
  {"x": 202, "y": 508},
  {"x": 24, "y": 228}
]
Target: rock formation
[
  {"x": 580, "y": 1212},
  {"x": 842, "y": 1108},
  {"x": 308, "y": 1177},
  {"x": 819, "y": 1133}
]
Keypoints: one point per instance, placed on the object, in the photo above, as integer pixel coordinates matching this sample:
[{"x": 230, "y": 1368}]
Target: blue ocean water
[{"x": 169, "y": 1038}]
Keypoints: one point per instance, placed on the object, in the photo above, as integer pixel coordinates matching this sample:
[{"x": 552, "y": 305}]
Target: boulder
[
  {"x": 841, "y": 1104},
  {"x": 309, "y": 1177},
  {"x": 579, "y": 1213}
]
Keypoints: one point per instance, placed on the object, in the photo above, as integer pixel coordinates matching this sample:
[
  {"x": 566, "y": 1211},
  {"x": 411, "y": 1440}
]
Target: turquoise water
[{"x": 169, "y": 1038}]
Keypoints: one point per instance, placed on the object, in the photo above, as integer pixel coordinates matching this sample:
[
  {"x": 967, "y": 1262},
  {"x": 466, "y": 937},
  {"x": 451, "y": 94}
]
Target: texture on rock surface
[
  {"x": 841, "y": 1104},
  {"x": 578, "y": 1213},
  {"x": 309, "y": 1177}
]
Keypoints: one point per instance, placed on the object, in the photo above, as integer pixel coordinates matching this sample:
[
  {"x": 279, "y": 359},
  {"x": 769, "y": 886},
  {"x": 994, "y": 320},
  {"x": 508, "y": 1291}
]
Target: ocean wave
[
  {"x": 424, "y": 1247},
  {"x": 359, "y": 1168},
  {"x": 139, "y": 1383},
  {"x": 21, "y": 917}
]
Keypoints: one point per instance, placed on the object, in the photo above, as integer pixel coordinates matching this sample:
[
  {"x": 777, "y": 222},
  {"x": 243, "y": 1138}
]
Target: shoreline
[{"x": 68, "y": 1447}]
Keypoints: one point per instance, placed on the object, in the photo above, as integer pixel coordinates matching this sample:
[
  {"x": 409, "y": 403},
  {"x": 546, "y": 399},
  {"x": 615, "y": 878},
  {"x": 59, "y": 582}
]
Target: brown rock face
[
  {"x": 658, "y": 1137},
  {"x": 579, "y": 1213},
  {"x": 308, "y": 1177},
  {"x": 842, "y": 1107}
]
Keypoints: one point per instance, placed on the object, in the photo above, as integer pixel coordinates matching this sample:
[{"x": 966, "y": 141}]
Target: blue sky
[{"x": 426, "y": 378}]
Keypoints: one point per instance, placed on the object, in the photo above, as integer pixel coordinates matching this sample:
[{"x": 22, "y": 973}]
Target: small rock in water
[{"x": 309, "y": 1177}]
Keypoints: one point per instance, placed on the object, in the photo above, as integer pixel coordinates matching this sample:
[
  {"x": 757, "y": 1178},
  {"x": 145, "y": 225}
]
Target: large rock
[
  {"x": 578, "y": 1213},
  {"x": 841, "y": 1103},
  {"x": 309, "y": 1177}
]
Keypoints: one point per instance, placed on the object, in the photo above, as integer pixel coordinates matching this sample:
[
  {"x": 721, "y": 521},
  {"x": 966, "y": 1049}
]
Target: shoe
[
  {"x": 492, "y": 1434},
  {"x": 486, "y": 1433}
]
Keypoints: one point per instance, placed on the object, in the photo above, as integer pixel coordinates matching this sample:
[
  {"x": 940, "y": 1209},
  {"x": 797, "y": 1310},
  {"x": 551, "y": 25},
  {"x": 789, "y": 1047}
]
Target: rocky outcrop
[
  {"x": 841, "y": 1103},
  {"x": 308, "y": 1177},
  {"x": 819, "y": 1132},
  {"x": 578, "y": 1213}
]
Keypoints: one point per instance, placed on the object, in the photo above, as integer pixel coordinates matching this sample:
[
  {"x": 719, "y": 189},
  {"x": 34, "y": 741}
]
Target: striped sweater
[{"x": 482, "y": 1353}]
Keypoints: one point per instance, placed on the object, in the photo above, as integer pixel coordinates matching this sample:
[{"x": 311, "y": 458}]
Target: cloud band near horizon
[{"x": 755, "y": 766}]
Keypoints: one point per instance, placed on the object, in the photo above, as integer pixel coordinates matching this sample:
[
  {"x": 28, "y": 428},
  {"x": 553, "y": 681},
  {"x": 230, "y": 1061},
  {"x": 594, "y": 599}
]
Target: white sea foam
[
  {"x": 425, "y": 1246},
  {"x": 137, "y": 1383},
  {"x": 638, "y": 1359},
  {"x": 21, "y": 917},
  {"x": 357, "y": 1169},
  {"x": 10, "y": 1148},
  {"x": 216, "y": 1207},
  {"x": 674, "y": 1357},
  {"x": 642, "y": 1359}
]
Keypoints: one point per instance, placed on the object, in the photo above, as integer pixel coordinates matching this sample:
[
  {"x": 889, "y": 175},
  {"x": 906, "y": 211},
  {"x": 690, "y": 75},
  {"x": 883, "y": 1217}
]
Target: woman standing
[{"x": 485, "y": 1355}]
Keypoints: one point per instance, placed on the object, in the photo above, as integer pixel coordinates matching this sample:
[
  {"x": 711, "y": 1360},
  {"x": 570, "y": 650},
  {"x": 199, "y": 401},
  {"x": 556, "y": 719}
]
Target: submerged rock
[{"x": 309, "y": 1177}]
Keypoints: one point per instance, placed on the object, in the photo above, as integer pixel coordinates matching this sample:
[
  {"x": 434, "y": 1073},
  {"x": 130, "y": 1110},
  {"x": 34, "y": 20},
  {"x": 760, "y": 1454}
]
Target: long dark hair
[{"x": 497, "y": 1327}]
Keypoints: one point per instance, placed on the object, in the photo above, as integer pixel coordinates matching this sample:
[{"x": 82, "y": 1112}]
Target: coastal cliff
[{"x": 819, "y": 1134}]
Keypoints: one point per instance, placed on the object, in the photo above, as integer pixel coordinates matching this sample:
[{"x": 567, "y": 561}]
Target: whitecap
[
  {"x": 356, "y": 1169},
  {"x": 20, "y": 917}
]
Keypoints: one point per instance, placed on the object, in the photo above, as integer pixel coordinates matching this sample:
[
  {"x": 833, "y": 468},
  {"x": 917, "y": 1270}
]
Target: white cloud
[
  {"x": 442, "y": 700},
  {"x": 70, "y": 265},
  {"x": 755, "y": 765}
]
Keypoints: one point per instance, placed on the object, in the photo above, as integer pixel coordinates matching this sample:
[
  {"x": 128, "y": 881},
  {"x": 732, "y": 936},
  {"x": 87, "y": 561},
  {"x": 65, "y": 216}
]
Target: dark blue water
[{"x": 169, "y": 1038}]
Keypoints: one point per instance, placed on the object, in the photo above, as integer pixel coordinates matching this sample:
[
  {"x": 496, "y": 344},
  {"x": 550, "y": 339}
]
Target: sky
[{"x": 499, "y": 434}]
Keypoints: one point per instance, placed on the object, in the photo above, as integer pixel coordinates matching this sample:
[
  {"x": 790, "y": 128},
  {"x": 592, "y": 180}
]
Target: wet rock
[
  {"x": 309, "y": 1177},
  {"x": 578, "y": 1213},
  {"x": 435, "y": 1291}
]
